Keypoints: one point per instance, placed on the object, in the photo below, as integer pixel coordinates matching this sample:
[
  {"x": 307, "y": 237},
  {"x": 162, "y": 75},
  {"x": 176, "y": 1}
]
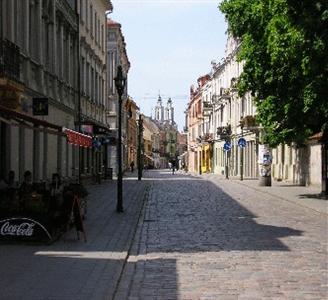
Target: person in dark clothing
[
  {"x": 173, "y": 166},
  {"x": 132, "y": 166}
]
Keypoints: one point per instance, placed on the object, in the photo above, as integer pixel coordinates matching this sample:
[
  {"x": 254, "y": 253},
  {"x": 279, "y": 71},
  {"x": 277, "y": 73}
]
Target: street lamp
[
  {"x": 120, "y": 82},
  {"x": 139, "y": 156},
  {"x": 242, "y": 154}
]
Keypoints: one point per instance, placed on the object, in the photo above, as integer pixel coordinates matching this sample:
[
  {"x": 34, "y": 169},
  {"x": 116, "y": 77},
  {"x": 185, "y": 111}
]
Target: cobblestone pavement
[
  {"x": 201, "y": 239},
  {"x": 71, "y": 269}
]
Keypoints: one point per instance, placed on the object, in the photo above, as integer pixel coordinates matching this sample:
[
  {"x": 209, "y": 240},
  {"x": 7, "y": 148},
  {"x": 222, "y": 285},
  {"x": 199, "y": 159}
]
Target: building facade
[
  {"x": 39, "y": 42},
  {"x": 52, "y": 81},
  {"x": 93, "y": 78},
  {"x": 224, "y": 137},
  {"x": 233, "y": 119},
  {"x": 116, "y": 55},
  {"x": 218, "y": 118},
  {"x": 195, "y": 125}
]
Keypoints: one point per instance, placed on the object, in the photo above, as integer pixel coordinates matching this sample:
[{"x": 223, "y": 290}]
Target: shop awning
[{"x": 77, "y": 138}]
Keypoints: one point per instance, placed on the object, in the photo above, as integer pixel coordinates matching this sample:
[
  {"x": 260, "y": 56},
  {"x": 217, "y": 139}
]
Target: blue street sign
[
  {"x": 227, "y": 146},
  {"x": 242, "y": 143}
]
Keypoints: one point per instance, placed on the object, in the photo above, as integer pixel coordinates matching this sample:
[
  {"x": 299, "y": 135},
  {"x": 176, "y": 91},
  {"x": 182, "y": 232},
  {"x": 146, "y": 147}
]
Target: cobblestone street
[
  {"x": 180, "y": 237},
  {"x": 203, "y": 239}
]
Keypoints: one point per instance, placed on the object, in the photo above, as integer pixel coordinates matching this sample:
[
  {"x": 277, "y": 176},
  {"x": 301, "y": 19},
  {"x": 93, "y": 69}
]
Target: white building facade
[{"x": 116, "y": 55}]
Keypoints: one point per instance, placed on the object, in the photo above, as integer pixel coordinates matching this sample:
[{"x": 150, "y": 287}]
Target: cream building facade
[
  {"x": 43, "y": 47},
  {"x": 93, "y": 102},
  {"x": 217, "y": 116},
  {"x": 45, "y": 34},
  {"x": 116, "y": 55}
]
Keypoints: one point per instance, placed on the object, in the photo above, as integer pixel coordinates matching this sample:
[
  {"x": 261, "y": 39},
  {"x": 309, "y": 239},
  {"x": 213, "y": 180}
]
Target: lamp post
[
  {"x": 242, "y": 155},
  {"x": 140, "y": 130},
  {"x": 120, "y": 82}
]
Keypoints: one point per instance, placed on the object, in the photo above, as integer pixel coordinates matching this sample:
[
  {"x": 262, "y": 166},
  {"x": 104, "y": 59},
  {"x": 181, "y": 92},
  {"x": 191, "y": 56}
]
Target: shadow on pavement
[
  {"x": 314, "y": 196},
  {"x": 194, "y": 215}
]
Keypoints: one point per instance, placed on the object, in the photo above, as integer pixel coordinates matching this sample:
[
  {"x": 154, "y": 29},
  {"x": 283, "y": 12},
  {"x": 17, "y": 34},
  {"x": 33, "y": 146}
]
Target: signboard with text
[{"x": 20, "y": 228}]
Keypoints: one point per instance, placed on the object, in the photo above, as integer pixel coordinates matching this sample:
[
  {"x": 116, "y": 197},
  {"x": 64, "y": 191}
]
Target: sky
[{"x": 170, "y": 43}]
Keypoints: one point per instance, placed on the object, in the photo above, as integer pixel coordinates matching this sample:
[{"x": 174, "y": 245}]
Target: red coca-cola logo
[{"x": 23, "y": 229}]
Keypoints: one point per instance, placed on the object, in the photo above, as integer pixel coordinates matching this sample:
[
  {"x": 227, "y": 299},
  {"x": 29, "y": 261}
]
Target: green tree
[{"x": 284, "y": 46}]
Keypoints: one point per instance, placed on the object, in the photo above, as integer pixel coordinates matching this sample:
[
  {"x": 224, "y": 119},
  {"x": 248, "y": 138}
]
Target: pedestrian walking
[
  {"x": 132, "y": 166},
  {"x": 173, "y": 166}
]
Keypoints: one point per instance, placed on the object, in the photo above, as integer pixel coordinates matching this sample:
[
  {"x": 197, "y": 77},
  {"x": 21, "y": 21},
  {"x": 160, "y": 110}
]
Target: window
[
  {"x": 86, "y": 14},
  {"x": 92, "y": 85},
  {"x": 91, "y": 20},
  {"x": 102, "y": 37},
  {"x": 81, "y": 10},
  {"x": 83, "y": 74},
  {"x": 87, "y": 79},
  {"x": 111, "y": 36},
  {"x": 95, "y": 29},
  {"x": 98, "y": 34}
]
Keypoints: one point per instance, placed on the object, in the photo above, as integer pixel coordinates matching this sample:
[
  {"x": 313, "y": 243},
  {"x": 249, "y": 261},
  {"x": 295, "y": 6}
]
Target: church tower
[
  {"x": 159, "y": 110},
  {"x": 170, "y": 111}
]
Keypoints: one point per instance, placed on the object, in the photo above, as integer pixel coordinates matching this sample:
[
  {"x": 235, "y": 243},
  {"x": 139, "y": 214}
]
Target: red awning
[{"x": 78, "y": 139}]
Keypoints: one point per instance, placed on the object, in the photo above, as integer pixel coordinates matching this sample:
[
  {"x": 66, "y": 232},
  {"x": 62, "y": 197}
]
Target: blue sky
[{"x": 170, "y": 43}]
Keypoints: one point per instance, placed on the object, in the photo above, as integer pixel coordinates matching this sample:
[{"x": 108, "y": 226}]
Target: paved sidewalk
[
  {"x": 306, "y": 196},
  {"x": 72, "y": 269}
]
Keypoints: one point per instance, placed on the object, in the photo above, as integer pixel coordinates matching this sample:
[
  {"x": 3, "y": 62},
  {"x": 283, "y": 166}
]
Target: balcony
[
  {"x": 223, "y": 132},
  {"x": 205, "y": 138},
  {"x": 207, "y": 108},
  {"x": 248, "y": 122},
  {"x": 224, "y": 94}
]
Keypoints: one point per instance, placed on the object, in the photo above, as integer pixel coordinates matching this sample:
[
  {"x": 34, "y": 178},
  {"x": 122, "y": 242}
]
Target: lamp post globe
[{"x": 120, "y": 82}]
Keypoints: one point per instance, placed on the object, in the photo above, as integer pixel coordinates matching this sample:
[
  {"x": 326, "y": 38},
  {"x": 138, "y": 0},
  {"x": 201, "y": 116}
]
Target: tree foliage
[{"x": 284, "y": 45}]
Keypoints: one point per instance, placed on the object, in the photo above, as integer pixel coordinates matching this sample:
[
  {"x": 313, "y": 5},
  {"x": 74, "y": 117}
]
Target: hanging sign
[
  {"x": 78, "y": 139},
  {"x": 40, "y": 106}
]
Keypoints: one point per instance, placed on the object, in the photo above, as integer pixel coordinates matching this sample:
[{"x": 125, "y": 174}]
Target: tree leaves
[{"x": 284, "y": 46}]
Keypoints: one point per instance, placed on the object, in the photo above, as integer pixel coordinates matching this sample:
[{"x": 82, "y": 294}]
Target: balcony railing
[
  {"x": 223, "y": 132},
  {"x": 9, "y": 60}
]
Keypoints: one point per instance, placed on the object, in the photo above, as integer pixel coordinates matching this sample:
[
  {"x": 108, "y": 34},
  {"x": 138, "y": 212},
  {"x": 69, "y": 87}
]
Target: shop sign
[
  {"x": 99, "y": 130},
  {"x": 23, "y": 228},
  {"x": 78, "y": 139},
  {"x": 40, "y": 106},
  {"x": 87, "y": 129}
]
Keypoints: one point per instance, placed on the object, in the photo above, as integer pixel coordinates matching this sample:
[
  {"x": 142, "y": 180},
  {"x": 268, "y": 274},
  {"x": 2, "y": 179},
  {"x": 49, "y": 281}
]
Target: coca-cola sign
[{"x": 23, "y": 228}]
